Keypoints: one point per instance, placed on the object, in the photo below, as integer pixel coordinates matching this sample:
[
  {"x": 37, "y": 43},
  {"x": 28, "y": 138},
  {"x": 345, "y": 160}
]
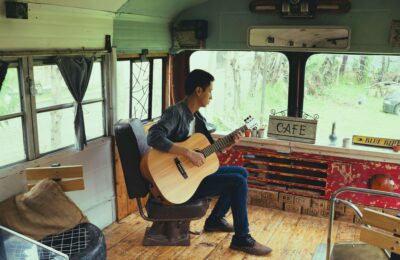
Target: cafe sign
[{"x": 292, "y": 129}]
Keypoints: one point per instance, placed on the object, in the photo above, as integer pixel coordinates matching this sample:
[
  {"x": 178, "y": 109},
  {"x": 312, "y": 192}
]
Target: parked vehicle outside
[{"x": 391, "y": 103}]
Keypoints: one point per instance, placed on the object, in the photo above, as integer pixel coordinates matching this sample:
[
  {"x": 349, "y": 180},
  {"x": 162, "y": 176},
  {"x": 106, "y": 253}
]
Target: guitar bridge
[{"x": 180, "y": 168}]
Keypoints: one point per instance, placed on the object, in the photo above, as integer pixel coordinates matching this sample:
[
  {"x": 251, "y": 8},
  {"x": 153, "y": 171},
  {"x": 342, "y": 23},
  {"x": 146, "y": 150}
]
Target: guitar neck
[{"x": 222, "y": 143}]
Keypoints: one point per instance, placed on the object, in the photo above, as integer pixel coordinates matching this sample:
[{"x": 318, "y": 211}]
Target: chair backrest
[
  {"x": 70, "y": 178},
  {"x": 132, "y": 144},
  {"x": 389, "y": 239}
]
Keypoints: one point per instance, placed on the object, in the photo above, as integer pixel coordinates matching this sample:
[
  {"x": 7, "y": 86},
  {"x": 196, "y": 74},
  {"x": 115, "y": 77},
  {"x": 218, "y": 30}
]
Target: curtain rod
[{"x": 52, "y": 52}]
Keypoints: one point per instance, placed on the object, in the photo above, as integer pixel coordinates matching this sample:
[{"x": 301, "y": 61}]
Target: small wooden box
[
  {"x": 274, "y": 204},
  {"x": 340, "y": 208},
  {"x": 324, "y": 213},
  {"x": 311, "y": 211},
  {"x": 270, "y": 195},
  {"x": 319, "y": 203},
  {"x": 286, "y": 198},
  {"x": 293, "y": 208},
  {"x": 302, "y": 201}
]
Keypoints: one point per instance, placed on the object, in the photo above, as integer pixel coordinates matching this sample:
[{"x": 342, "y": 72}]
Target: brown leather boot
[{"x": 248, "y": 245}]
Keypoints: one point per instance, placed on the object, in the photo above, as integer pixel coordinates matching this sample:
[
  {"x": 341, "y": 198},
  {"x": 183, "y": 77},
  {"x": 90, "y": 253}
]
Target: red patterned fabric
[{"x": 341, "y": 172}]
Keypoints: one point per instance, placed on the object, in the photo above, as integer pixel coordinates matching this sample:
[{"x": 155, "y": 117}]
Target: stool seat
[{"x": 191, "y": 209}]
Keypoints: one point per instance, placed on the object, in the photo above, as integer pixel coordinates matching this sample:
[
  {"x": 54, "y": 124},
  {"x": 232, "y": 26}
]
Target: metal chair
[{"x": 379, "y": 231}]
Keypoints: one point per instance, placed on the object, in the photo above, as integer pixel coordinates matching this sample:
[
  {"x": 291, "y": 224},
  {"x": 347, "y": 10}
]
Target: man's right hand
[{"x": 196, "y": 158}]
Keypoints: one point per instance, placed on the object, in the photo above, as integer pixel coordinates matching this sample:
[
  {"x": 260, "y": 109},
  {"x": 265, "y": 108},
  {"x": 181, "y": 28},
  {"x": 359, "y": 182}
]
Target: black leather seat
[{"x": 170, "y": 222}]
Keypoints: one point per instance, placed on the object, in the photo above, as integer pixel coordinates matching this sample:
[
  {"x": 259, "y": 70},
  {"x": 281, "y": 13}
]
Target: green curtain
[{"x": 76, "y": 71}]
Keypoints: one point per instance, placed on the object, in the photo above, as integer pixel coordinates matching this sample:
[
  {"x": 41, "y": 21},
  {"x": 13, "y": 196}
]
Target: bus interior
[{"x": 320, "y": 77}]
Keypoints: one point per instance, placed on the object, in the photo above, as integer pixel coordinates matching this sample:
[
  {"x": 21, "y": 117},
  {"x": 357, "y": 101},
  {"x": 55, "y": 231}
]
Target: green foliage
[{"x": 9, "y": 94}]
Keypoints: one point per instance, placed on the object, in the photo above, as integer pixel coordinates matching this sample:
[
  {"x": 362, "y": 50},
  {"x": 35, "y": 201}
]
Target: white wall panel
[
  {"x": 97, "y": 200},
  {"x": 55, "y": 27}
]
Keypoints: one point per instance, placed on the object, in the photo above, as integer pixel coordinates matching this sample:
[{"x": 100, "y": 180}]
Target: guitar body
[{"x": 174, "y": 177}]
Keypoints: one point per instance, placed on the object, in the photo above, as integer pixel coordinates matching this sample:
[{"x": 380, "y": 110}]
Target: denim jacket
[{"x": 174, "y": 127}]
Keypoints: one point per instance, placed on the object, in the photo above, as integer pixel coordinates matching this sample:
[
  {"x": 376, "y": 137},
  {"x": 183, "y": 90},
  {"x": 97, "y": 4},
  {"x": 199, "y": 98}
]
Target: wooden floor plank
[
  {"x": 259, "y": 222},
  {"x": 119, "y": 230},
  {"x": 290, "y": 235}
]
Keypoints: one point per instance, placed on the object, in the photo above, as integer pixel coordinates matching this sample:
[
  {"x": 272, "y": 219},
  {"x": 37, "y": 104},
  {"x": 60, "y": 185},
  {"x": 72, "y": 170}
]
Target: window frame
[
  {"x": 291, "y": 88},
  {"x": 36, "y": 111},
  {"x": 29, "y": 112},
  {"x": 301, "y": 76},
  {"x": 20, "y": 64},
  {"x": 150, "y": 98}
]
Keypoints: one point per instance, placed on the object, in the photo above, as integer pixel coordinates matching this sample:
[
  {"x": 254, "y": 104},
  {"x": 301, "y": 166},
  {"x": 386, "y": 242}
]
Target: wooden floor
[{"x": 290, "y": 235}]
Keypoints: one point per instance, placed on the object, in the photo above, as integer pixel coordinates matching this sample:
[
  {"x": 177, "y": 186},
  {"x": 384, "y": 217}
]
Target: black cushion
[{"x": 191, "y": 209}]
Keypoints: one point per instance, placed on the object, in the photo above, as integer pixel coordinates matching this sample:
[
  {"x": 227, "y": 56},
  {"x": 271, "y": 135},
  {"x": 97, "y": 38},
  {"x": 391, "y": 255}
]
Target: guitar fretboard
[{"x": 222, "y": 143}]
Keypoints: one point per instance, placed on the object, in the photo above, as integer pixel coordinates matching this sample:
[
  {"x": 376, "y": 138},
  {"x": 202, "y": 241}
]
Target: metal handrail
[{"x": 334, "y": 200}]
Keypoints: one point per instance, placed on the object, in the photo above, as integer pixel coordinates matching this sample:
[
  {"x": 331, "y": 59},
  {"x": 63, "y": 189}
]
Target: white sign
[{"x": 292, "y": 129}]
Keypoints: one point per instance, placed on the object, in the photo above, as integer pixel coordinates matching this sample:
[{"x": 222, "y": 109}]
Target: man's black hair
[{"x": 197, "y": 78}]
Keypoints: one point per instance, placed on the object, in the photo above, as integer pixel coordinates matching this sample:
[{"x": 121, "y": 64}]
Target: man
[{"x": 230, "y": 182}]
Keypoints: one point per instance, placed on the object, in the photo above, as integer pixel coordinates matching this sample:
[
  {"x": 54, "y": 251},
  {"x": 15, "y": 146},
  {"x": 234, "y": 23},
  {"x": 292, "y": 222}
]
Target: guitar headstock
[{"x": 250, "y": 122}]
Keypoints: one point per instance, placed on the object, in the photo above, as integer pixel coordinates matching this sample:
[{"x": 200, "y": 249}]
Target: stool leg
[{"x": 168, "y": 233}]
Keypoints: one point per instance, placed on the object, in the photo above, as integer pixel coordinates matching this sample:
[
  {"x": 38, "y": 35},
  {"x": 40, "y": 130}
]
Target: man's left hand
[{"x": 236, "y": 139}]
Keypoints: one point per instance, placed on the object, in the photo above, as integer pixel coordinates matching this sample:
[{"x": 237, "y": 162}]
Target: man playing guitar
[{"x": 229, "y": 182}]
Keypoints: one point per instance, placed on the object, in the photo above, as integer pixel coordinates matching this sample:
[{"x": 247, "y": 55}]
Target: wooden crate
[
  {"x": 302, "y": 201},
  {"x": 274, "y": 205},
  {"x": 320, "y": 203},
  {"x": 292, "y": 207},
  {"x": 311, "y": 212},
  {"x": 340, "y": 208},
  {"x": 286, "y": 198}
]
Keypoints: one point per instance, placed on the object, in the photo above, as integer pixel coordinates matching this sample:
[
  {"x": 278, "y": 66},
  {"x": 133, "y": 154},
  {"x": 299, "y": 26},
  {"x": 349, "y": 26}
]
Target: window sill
[{"x": 354, "y": 151}]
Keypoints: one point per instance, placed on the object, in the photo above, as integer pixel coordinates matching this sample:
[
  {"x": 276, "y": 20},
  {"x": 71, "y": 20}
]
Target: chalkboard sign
[{"x": 292, "y": 129}]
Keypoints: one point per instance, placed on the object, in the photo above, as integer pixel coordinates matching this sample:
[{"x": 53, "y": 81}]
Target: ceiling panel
[{"x": 100, "y": 5}]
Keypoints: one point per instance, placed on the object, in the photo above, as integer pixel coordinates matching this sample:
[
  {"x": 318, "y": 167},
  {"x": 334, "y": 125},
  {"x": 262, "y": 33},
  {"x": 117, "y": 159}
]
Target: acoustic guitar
[{"x": 174, "y": 178}]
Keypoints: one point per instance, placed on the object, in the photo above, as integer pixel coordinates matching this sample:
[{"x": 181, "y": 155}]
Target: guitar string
[{"x": 221, "y": 143}]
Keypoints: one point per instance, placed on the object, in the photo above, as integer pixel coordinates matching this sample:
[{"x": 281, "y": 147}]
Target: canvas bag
[{"x": 44, "y": 210}]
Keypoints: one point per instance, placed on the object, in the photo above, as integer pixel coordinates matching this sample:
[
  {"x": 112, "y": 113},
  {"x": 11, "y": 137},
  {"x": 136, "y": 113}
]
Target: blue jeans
[{"x": 230, "y": 183}]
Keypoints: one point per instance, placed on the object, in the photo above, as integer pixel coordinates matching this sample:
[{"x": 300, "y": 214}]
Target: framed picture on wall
[{"x": 395, "y": 33}]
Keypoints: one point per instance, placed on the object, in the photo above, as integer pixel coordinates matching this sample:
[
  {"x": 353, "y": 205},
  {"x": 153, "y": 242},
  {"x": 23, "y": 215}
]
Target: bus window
[
  {"x": 246, "y": 83},
  {"x": 157, "y": 88},
  {"x": 133, "y": 80},
  {"x": 352, "y": 90},
  {"x": 93, "y": 104},
  {"x": 11, "y": 117},
  {"x": 55, "y": 108}
]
